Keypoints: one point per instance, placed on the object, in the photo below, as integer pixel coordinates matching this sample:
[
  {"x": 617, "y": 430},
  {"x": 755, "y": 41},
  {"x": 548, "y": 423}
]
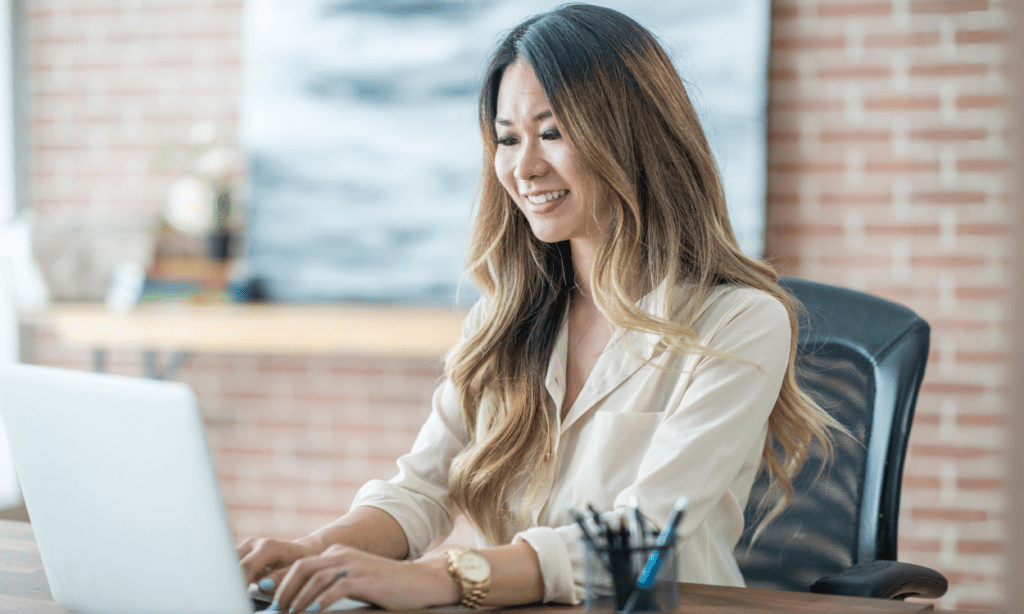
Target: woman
[{"x": 624, "y": 347}]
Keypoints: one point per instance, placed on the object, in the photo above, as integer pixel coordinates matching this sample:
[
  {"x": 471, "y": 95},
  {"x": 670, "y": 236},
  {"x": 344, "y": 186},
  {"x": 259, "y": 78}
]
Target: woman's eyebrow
[{"x": 501, "y": 121}]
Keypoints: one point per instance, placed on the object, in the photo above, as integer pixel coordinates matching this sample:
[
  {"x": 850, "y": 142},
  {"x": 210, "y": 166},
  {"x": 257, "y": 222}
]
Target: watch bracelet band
[{"x": 475, "y": 596}]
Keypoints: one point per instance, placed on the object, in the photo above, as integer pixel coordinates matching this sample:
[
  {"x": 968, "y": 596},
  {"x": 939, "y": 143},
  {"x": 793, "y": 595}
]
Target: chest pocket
[{"x": 613, "y": 446}]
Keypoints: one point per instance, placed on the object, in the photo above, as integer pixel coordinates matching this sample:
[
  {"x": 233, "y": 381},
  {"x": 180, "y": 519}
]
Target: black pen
[
  {"x": 601, "y": 526},
  {"x": 618, "y": 557},
  {"x": 644, "y": 535},
  {"x": 609, "y": 537},
  {"x": 588, "y": 537},
  {"x": 582, "y": 521}
]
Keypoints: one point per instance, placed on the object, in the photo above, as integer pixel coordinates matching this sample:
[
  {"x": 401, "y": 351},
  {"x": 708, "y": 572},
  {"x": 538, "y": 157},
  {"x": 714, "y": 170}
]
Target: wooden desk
[{"x": 23, "y": 588}]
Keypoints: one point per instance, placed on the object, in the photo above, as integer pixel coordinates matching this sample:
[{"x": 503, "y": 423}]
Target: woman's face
[{"x": 539, "y": 167}]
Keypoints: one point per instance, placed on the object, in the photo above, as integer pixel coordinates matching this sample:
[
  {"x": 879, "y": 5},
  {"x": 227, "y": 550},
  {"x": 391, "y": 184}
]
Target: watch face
[{"x": 474, "y": 567}]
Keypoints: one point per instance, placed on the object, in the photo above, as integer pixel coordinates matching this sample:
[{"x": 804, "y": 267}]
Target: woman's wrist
[
  {"x": 441, "y": 586},
  {"x": 313, "y": 541}
]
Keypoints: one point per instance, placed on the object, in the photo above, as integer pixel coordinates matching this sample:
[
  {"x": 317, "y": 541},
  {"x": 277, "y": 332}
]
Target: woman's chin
[
  {"x": 548, "y": 233},
  {"x": 550, "y": 237}
]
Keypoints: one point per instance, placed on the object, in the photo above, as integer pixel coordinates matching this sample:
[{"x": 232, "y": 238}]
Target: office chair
[{"x": 862, "y": 359}]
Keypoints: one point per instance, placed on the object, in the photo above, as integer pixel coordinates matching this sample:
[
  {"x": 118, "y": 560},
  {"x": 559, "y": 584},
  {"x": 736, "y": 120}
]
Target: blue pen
[{"x": 646, "y": 580}]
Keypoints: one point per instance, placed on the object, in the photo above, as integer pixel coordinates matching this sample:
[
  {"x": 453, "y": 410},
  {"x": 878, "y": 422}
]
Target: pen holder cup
[{"x": 614, "y": 579}]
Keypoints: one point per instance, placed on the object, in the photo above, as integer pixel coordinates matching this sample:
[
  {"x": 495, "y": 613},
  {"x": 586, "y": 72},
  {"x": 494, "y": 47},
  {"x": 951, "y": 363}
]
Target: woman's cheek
[{"x": 504, "y": 168}]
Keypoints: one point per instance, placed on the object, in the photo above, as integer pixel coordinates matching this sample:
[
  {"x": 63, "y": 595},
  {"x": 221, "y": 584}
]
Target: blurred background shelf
[{"x": 259, "y": 329}]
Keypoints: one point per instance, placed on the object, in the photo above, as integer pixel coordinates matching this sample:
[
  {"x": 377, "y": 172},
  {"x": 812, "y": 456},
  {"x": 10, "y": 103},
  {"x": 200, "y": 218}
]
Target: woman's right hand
[{"x": 266, "y": 558}]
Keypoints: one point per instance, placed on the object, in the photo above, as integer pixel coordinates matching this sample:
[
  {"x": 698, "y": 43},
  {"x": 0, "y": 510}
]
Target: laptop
[{"x": 120, "y": 487}]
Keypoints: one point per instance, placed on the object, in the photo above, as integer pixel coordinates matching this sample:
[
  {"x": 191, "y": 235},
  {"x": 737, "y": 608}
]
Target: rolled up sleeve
[{"x": 560, "y": 556}]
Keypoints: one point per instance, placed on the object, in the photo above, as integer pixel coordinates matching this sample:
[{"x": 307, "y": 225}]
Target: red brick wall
[
  {"x": 110, "y": 82},
  {"x": 886, "y": 149},
  {"x": 886, "y": 161}
]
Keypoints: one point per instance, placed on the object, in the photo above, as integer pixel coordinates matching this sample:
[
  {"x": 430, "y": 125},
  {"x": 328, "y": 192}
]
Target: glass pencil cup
[{"x": 632, "y": 579}]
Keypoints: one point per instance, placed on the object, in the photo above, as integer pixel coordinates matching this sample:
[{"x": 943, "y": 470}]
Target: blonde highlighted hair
[{"x": 622, "y": 105}]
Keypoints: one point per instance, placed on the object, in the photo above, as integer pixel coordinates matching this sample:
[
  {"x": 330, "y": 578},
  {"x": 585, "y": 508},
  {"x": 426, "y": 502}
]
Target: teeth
[{"x": 543, "y": 198}]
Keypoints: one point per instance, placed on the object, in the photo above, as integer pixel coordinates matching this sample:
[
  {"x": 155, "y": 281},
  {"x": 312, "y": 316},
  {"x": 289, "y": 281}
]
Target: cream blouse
[{"x": 684, "y": 425}]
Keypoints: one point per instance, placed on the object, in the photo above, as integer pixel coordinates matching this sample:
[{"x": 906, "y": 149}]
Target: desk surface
[
  {"x": 260, "y": 328},
  {"x": 23, "y": 588}
]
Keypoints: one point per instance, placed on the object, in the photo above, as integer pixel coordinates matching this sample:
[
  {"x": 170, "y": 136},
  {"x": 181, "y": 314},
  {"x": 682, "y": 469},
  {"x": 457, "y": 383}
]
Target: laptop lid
[{"x": 119, "y": 484}]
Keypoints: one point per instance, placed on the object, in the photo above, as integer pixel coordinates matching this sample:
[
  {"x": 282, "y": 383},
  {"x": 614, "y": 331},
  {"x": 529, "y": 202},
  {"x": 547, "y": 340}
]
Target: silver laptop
[{"x": 120, "y": 487}]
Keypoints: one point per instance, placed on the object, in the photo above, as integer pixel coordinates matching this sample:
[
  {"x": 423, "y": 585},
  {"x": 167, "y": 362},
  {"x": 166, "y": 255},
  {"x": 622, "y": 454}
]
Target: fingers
[
  {"x": 245, "y": 547},
  {"x": 260, "y": 557},
  {"x": 323, "y": 588},
  {"x": 315, "y": 582},
  {"x": 269, "y": 580}
]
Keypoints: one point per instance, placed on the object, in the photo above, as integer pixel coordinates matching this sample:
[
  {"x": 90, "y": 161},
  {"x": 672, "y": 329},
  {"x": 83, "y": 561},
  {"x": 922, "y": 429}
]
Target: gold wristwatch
[{"x": 472, "y": 572}]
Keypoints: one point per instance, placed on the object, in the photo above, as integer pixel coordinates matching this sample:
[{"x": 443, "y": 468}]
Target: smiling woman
[
  {"x": 624, "y": 347},
  {"x": 539, "y": 167}
]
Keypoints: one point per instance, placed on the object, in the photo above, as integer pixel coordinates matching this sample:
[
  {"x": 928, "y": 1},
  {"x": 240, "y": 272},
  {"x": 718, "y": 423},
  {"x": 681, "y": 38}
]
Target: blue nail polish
[
  {"x": 314, "y": 608},
  {"x": 266, "y": 585},
  {"x": 274, "y": 607}
]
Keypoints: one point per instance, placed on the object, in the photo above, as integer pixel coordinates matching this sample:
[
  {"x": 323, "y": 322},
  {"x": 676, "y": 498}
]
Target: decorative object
[{"x": 200, "y": 205}]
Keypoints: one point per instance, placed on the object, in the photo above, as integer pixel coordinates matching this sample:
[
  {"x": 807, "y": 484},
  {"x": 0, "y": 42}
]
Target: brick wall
[
  {"x": 887, "y": 129},
  {"x": 110, "y": 82},
  {"x": 887, "y": 154}
]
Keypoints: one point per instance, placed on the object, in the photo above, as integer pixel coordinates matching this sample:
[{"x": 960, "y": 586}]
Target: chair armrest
[{"x": 884, "y": 580}]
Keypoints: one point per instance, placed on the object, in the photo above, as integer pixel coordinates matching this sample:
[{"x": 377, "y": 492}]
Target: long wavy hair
[{"x": 621, "y": 104}]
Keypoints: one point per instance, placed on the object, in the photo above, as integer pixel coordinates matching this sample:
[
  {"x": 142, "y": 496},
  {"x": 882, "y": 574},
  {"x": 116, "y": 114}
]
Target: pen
[
  {"x": 582, "y": 521},
  {"x": 597, "y": 520},
  {"x": 650, "y": 572},
  {"x": 624, "y": 536},
  {"x": 609, "y": 537},
  {"x": 588, "y": 537},
  {"x": 644, "y": 534},
  {"x": 618, "y": 557},
  {"x": 636, "y": 522}
]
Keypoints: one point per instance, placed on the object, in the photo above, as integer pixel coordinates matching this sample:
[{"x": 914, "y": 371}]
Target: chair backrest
[{"x": 862, "y": 358}]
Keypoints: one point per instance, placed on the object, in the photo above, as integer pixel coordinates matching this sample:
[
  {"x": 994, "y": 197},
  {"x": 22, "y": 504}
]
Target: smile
[{"x": 540, "y": 199}]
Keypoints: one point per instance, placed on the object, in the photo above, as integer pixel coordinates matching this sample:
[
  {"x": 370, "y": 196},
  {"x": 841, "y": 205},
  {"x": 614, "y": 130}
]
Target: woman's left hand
[{"x": 314, "y": 583}]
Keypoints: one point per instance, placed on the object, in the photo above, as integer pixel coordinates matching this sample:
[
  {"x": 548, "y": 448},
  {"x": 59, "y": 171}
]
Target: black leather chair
[{"x": 862, "y": 358}]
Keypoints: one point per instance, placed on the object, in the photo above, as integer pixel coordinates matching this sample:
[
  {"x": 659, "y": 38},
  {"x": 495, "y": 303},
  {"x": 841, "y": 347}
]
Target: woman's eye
[
  {"x": 551, "y": 135},
  {"x": 506, "y": 140}
]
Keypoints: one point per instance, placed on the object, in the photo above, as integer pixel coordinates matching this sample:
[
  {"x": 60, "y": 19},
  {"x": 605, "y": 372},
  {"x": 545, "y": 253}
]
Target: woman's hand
[
  {"x": 266, "y": 560},
  {"x": 314, "y": 583}
]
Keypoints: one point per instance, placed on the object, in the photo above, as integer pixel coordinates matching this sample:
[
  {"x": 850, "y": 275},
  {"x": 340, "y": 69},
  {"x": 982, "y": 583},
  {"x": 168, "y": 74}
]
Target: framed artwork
[{"x": 359, "y": 123}]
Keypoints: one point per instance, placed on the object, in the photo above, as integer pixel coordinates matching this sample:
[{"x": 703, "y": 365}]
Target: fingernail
[
  {"x": 314, "y": 608},
  {"x": 266, "y": 585},
  {"x": 274, "y": 607}
]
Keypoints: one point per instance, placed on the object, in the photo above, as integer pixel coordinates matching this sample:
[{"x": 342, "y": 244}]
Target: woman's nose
[{"x": 531, "y": 162}]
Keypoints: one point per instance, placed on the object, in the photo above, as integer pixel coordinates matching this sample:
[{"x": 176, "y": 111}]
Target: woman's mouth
[
  {"x": 547, "y": 201},
  {"x": 540, "y": 199}
]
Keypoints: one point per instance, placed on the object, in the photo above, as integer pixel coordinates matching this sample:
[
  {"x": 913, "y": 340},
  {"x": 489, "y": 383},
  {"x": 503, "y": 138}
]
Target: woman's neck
[{"x": 583, "y": 254}]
